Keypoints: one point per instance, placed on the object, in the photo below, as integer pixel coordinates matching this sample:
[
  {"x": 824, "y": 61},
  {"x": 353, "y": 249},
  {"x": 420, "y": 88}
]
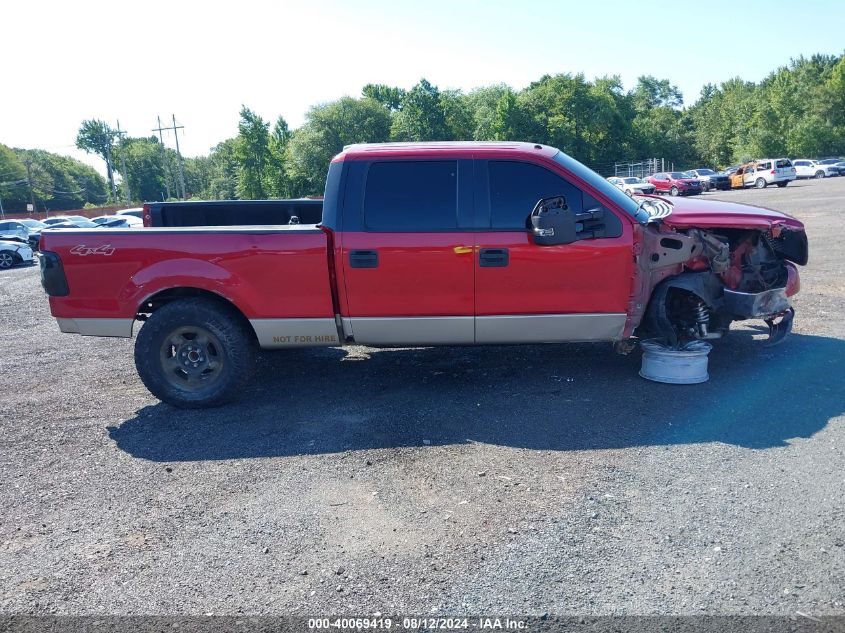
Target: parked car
[
  {"x": 14, "y": 229},
  {"x": 135, "y": 212},
  {"x": 84, "y": 223},
  {"x": 34, "y": 227},
  {"x": 115, "y": 223},
  {"x": 118, "y": 221},
  {"x": 808, "y": 168},
  {"x": 406, "y": 256},
  {"x": 763, "y": 172},
  {"x": 14, "y": 253},
  {"x": 710, "y": 179},
  {"x": 631, "y": 185},
  {"x": 675, "y": 183},
  {"x": 64, "y": 218},
  {"x": 836, "y": 163},
  {"x": 729, "y": 171}
]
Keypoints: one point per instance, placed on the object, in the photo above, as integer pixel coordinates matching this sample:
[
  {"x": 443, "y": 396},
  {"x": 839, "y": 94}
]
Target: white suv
[
  {"x": 768, "y": 171},
  {"x": 808, "y": 168}
]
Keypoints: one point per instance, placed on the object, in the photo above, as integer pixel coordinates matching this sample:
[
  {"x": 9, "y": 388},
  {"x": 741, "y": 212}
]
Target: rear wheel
[
  {"x": 760, "y": 183},
  {"x": 194, "y": 353},
  {"x": 819, "y": 174},
  {"x": 783, "y": 184},
  {"x": 7, "y": 259}
]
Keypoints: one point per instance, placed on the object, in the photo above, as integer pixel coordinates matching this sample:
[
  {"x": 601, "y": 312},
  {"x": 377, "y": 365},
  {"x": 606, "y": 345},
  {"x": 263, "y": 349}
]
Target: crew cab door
[
  {"x": 407, "y": 255},
  {"x": 531, "y": 293}
]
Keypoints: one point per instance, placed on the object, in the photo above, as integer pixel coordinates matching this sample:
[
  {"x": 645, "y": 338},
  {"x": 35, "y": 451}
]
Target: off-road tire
[{"x": 233, "y": 351}]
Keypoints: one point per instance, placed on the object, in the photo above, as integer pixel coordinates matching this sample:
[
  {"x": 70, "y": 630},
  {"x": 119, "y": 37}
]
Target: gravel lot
[{"x": 523, "y": 480}]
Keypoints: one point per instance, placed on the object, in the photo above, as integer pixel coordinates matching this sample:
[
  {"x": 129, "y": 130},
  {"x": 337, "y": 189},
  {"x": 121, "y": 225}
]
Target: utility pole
[
  {"x": 29, "y": 183},
  {"x": 159, "y": 129},
  {"x": 179, "y": 155},
  {"x": 120, "y": 134}
]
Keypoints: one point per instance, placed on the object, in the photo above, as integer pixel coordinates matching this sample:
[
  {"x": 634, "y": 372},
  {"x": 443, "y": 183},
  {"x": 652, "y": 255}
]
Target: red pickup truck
[{"x": 426, "y": 244}]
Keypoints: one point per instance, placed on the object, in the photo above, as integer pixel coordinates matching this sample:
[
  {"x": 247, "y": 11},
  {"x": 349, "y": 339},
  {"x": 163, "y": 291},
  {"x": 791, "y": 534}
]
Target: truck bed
[{"x": 268, "y": 272}]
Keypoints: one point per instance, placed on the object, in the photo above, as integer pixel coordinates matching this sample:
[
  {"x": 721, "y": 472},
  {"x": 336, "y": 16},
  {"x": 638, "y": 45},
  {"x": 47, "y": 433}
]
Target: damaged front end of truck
[{"x": 700, "y": 269}]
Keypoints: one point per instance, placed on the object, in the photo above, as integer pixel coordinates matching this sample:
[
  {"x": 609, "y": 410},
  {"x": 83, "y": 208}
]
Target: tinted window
[
  {"x": 784, "y": 162},
  {"x": 411, "y": 196},
  {"x": 516, "y": 187}
]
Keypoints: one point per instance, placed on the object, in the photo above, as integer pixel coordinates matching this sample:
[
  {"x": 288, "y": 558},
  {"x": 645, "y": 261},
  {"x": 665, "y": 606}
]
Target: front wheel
[
  {"x": 760, "y": 183},
  {"x": 194, "y": 353},
  {"x": 819, "y": 174},
  {"x": 7, "y": 260},
  {"x": 673, "y": 191}
]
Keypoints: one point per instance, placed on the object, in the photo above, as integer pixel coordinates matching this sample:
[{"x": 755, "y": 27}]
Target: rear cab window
[{"x": 411, "y": 196}]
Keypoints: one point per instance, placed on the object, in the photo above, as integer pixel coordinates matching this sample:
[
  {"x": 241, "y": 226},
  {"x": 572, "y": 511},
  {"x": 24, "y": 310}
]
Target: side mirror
[{"x": 552, "y": 222}]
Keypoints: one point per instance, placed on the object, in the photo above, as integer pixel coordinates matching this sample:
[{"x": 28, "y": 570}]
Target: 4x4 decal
[{"x": 81, "y": 249}]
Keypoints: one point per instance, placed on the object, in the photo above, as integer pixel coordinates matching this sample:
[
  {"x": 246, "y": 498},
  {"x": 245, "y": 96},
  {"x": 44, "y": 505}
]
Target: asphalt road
[{"x": 522, "y": 480}]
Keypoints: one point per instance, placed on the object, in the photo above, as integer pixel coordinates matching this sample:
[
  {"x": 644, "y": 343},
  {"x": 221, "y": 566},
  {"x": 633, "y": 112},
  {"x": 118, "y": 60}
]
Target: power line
[
  {"x": 160, "y": 129},
  {"x": 120, "y": 134},
  {"x": 175, "y": 129}
]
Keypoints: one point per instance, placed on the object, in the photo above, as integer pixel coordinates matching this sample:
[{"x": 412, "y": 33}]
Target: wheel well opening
[{"x": 164, "y": 297}]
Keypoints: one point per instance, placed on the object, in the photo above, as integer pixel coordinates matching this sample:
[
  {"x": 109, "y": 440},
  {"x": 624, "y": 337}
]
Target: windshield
[
  {"x": 706, "y": 172},
  {"x": 33, "y": 224},
  {"x": 632, "y": 181},
  {"x": 622, "y": 200},
  {"x": 680, "y": 174}
]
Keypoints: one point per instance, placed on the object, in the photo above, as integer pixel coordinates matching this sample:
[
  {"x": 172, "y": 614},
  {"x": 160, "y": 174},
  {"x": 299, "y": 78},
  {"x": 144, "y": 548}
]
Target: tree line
[
  {"x": 48, "y": 181},
  {"x": 798, "y": 110}
]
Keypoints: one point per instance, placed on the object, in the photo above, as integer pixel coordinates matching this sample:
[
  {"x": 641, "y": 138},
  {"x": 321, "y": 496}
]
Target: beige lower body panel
[
  {"x": 97, "y": 327},
  {"x": 403, "y": 331},
  {"x": 277, "y": 333},
  {"x": 549, "y": 328}
]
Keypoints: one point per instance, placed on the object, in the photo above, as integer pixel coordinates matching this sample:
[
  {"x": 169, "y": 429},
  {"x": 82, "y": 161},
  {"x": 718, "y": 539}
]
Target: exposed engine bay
[{"x": 702, "y": 280}]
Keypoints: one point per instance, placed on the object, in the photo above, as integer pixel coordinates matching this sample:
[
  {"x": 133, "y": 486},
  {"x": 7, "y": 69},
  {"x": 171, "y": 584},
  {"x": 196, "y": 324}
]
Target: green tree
[
  {"x": 146, "y": 175},
  {"x": 278, "y": 183},
  {"x": 326, "y": 130},
  {"x": 13, "y": 189},
  {"x": 389, "y": 96},
  {"x": 222, "y": 172},
  {"x": 421, "y": 116},
  {"x": 252, "y": 151},
  {"x": 96, "y": 137}
]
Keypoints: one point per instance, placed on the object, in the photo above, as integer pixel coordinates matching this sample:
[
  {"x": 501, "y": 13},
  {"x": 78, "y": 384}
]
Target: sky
[{"x": 64, "y": 62}]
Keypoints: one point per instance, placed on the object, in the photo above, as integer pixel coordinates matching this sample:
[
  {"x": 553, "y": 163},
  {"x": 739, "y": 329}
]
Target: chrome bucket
[{"x": 685, "y": 366}]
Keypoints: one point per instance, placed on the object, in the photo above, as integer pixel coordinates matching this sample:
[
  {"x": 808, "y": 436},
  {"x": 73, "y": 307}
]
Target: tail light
[
  {"x": 774, "y": 171},
  {"x": 147, "y": 217}
]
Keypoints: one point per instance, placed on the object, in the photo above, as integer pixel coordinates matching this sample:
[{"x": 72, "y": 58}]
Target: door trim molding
[
  {"x": 549, "y": 328},
  {"x": 452, "y": 330}
]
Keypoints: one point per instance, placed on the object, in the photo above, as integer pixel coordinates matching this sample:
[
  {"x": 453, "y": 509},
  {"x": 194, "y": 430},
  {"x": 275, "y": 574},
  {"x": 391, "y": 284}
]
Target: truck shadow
[{"x": 545, "y": 397}]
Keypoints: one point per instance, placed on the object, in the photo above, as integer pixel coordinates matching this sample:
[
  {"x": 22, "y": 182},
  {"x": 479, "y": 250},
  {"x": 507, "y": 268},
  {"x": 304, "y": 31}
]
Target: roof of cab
[{"x": 444, "y": 149}]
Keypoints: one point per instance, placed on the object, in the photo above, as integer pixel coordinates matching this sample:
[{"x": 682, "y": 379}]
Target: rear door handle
[
  {"x": 493, "y": 257},
  {"x": 363, "y": 259}
]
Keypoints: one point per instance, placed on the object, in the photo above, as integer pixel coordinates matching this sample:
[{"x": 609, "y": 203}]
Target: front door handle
[
  {"x": 363, "y": 259},
  {"x": 493, "y": 257}
]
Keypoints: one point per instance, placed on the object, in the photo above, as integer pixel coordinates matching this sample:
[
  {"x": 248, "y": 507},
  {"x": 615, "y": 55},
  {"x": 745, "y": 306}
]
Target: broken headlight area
[{"x": 738, "y": 274}]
